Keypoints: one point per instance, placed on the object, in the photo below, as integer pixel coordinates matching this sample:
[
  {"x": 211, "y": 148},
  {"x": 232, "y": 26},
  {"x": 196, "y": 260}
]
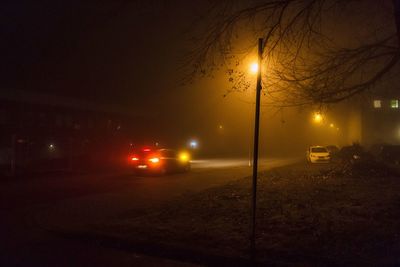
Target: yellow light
[
  {"x": 254, "y": 67},
  {"x": 317, "y": 117},
  {"x": 154, "y": 160},
  {"x": 183, "y": 156},
  {"x": 331, "y": 125}
]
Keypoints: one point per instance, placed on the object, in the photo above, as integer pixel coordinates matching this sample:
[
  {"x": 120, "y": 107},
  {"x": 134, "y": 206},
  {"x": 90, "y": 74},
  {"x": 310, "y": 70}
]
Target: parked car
[
  {"x": 318, "y": 154},
  {"x": 333, "y": 151},
  {"x": 159, "y": 161},
  {"x": 388, "y": 154},
  {"x": 354, "y": 153}
]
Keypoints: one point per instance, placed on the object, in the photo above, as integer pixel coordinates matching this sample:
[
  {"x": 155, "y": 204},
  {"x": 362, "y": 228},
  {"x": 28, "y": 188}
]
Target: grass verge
[{"x": 307, "y": 215}]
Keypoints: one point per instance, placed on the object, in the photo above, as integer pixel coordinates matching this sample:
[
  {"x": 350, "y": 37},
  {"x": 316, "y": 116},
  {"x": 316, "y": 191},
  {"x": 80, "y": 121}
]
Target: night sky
[
  {"x": 129, "y": 53},
  {"x": 120, "y": 53},
  {"x": 108, "y": 51}
]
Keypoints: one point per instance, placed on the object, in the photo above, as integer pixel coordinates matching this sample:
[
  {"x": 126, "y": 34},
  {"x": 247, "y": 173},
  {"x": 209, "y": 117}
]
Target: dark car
[
  {"x": 333, "y": 152},
  {"x": 159, "y": 161},
  {"x": 354, "y": 153},
  {"x": 387, "y": 153},
  {"x": 332, "y": 149}
]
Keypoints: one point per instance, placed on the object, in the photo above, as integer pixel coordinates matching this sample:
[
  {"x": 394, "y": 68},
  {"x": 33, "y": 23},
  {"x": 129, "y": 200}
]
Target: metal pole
[
  {"x": 250, "y": 137},
  {"x": 255, "y": 153}
]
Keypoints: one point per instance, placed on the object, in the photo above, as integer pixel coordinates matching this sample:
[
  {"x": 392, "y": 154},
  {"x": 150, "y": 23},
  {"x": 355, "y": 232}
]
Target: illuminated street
[{"x": 58, "y": 201}]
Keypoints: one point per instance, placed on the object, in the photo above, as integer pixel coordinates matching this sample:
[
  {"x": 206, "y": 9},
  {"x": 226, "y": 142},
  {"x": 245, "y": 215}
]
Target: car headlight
[
  {"x": 184, "y": 157},
  {"x": 154, "y": 160}
]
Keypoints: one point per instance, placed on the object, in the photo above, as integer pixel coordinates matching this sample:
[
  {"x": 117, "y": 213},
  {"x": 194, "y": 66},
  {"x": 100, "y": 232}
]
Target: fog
[
  {"x": 134, "y": 60},
  {"x": 224, "y": 125}
]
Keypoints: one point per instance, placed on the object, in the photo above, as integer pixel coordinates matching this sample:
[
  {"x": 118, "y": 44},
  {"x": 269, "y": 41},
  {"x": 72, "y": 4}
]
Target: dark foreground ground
[
  {"x": 37, "y": 210},
  {"x": 307, "y": 216}
]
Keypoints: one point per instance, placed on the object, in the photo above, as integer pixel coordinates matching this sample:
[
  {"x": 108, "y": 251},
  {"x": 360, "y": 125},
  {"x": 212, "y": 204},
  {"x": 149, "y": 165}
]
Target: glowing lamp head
[
  {"x": 317, "y": 117},
  {"x": 331, "y": 125},
  {"x": 254, "y": 67}
]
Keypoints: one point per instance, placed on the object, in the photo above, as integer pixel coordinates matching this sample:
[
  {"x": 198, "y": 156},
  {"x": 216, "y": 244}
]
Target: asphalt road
[{"x": 30, "y": 207}]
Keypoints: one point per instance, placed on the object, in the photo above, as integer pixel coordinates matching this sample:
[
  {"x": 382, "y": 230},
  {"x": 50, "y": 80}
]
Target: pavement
[
  {"x": 33, "y": 211},
  {"x": 147, "y": 192}
]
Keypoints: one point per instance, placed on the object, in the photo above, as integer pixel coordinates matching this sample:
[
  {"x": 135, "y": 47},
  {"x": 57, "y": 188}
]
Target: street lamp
[
  {"x": 257, "y": 68},
  {"x": 193, "y": 144},
  {"x": 317, "y": 117}
]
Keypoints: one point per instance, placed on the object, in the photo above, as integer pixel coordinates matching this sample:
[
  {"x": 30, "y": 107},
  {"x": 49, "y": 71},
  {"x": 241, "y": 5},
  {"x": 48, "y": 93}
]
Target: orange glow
[
  {"x": 254, "y": 67},
  {"x": 317, "y": 117},
  {"x": 154, "y": 160},
  {"x": 146, "y": 149},
  {"x": 134, "y": 159}
]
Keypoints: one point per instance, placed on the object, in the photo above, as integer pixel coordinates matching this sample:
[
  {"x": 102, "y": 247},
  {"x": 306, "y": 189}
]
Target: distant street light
[
  {"x": 52, "y": 147},
  {"x": 193, "y": 144},
  {"x": 317, "y": 117},
  {"x": 332, "y": 125}
]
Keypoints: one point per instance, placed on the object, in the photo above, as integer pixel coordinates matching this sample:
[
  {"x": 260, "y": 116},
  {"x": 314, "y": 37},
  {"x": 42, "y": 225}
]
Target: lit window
[
  {"x": 394, "y": 103},
  {"x": 377, "y": 103}
]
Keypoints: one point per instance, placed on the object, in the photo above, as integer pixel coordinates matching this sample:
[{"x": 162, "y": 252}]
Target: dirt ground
[{"x": 307, "y": 215}]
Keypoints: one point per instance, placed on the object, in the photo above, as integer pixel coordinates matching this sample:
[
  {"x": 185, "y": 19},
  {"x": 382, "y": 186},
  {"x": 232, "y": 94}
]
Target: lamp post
[{"x": 255, "y": 150}]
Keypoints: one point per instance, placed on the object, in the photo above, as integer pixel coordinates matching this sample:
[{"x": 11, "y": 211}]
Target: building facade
[
  {"x": 46, "y": 132},
  {"x": 381, "y": 121}
]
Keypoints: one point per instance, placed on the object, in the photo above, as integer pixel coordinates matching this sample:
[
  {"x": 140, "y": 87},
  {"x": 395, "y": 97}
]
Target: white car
[{"x": 318, "y": 154}]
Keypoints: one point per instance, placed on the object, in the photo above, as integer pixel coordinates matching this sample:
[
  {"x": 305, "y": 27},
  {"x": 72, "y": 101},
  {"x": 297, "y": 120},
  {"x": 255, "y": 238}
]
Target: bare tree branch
[{"x": 306, "y": 61}]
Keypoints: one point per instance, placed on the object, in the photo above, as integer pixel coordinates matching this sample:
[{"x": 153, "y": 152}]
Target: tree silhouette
[{"x": 315, "y": 51}]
